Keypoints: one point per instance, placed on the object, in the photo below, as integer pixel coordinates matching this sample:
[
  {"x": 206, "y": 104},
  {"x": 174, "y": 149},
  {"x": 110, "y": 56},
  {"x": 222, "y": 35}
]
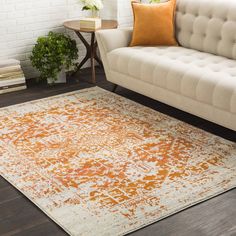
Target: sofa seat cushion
[{"x": 201, "y": 76}]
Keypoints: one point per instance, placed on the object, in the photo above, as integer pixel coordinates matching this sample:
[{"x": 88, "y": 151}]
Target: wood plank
[
  {"x": 47, "y": 228},
  {"x": 213, "y": 217},
  {"x": 8, "y": 193},
  {"x": 3, "y": 183},
  {"x": 20, "y": 214}
]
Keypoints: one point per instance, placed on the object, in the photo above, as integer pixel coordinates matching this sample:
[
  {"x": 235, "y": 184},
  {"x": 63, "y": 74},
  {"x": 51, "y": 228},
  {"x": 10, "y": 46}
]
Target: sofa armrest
[{"x": 109, "y": 40}]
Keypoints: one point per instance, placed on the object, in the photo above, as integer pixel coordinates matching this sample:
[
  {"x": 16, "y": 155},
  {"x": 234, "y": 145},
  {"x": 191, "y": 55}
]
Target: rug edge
[
  {"x": 45, "y": 213},
  {"x": 134, "y": 229},
  {"x": 179, "y": 210},
  {"x": 48, "y": 97}
]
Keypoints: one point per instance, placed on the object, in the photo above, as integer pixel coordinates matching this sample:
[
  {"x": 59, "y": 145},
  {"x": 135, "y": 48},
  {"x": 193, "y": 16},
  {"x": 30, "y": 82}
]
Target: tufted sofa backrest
[{"x": 207, "y": 25}]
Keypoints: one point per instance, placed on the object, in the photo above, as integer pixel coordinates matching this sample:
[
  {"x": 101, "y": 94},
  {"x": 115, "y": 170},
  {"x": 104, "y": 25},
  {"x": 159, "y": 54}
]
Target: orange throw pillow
[{"x": 154, "y": 24}]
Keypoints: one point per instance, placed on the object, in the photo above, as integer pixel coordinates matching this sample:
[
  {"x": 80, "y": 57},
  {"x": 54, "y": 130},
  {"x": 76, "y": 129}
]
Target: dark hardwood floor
[{"x": 18, "y": 216}]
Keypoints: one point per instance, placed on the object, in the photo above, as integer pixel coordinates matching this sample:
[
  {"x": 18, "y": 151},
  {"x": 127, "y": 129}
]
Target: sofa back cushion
[{"x": 207, "y": 25}]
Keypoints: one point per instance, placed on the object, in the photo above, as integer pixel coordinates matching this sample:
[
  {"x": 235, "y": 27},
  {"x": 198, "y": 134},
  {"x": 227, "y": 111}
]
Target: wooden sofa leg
[{"x": 114, "y": 88}]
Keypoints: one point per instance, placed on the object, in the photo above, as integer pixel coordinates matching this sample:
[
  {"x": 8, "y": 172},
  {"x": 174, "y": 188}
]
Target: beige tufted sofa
[{"x": 198, "y": 77}]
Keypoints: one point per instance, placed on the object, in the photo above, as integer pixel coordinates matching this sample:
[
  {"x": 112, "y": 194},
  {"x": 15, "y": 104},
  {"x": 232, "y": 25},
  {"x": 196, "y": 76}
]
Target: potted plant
[
  {"x": 92, "y": 5},
  {"x": 52, "y": 55}
]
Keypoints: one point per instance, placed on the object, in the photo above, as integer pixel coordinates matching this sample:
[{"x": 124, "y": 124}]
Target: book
[
  {"x": 11, "y": 76},
  {"x": 12, "y": 82},
  {"x": 90, "y": 23},
  {"x": 13, "y": 89},
  {"x": 11, "y": 72},
  {"x": 9, "y": 62},
  {"x": 9, "y": 69}
]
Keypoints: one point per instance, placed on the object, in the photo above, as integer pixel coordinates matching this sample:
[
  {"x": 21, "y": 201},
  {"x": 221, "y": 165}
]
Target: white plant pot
[{"x": 61, "y": 78}]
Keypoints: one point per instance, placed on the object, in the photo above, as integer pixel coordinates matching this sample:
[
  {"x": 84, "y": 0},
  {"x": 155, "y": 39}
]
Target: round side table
[{"x": 91, "y": 48}]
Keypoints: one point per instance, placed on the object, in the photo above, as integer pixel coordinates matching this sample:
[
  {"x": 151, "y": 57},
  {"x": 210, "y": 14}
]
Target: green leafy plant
[
  {"x": 154, "y": 1},
  {"x": 95, "y": 5},
  {"x": 52, "y": 53}
]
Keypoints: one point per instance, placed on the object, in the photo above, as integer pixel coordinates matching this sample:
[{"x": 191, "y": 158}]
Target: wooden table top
[{"x": 74, "y": 25}]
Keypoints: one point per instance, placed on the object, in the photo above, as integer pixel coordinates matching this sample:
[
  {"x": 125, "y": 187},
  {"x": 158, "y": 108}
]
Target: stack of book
[
  {"x": 11, "y": 76},
  {"x": 90, "y": 23}
]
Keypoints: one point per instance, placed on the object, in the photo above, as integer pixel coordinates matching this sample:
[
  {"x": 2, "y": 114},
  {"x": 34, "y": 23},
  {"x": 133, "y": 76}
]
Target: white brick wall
[
  {"x": 22, "y": 21},
  {"x": 125, "y": 15}
]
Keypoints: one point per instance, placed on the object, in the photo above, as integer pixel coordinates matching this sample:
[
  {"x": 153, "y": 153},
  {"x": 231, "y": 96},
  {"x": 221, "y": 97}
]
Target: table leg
[
  {"x": 92, "y": 58},
  {"x": 88, "y": 50},
  {"x": 96, "y": 56},
  {"x": 91, "y": 53}
]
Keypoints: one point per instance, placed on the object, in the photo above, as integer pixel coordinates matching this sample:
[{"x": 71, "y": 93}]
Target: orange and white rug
[{"x": 100, "y": 164}]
